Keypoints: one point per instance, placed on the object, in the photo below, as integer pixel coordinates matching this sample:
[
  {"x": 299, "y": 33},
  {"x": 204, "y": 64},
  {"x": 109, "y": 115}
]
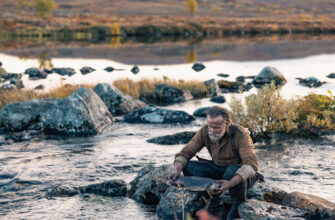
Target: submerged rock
[
  {"x": 117, "y": 102},
  {"x": 109, "y": 188},
  {"x": 86, "y": 70},
  {"x": 331, "y": 76},
  {"x": 61, "y": 191},
  {"x": 81, "y": 113},
  {"x": 35, "y": 73},
  {"x": 198, "y": 67},
  {"x": 267, "y": 75},
  {"x": 179, "y": 138},
  {"x": 109, "y": 69},
  {"x": 311, "y": 82},
  {"x": 64, "y": 71},
  {"x": 201, "y": 112},
  {"x": 158, "y": 115},
  {"x": 223, "y": 75},
  {"x": 135, "y": 69}
]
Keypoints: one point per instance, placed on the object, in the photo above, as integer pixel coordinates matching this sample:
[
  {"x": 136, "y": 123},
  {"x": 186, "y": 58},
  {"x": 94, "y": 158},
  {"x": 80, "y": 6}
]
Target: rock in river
[
  {"x": 267, "y": 75},
  {"x": 179, "y": 138}
]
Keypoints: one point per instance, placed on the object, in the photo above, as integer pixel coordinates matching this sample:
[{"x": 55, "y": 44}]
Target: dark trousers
[{"x": 210, "y": 170}]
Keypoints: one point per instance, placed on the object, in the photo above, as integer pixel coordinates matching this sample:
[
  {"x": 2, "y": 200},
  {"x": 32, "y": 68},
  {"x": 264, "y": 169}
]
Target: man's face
[{"x": 216, "y": 128}]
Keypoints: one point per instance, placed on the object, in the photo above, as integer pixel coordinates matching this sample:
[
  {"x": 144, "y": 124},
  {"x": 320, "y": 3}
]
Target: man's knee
[
  {"x": 230, "y": 171},
  {"x": 196, "y": 168}
]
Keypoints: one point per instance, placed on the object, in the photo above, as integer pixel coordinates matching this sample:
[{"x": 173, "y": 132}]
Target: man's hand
[
  {"x": 178, "y": 167},
  {"x": 226, "y": 184}
]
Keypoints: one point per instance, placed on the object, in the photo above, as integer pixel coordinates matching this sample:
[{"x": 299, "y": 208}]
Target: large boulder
[
  {"x": 158, "y": 115},
  {"x": 20, "y": 115},
  {"x": 81, "y": 113},
  {"x": 177, "y": 203},
  {"x": 254, "y": 210},
  {"x": 117, "y": 102},
  {"x": 201, "y": 112},
  {"x": 179, "y": 138},
  {"x": 35, "y": 73},
  {"x": 150, "y": 185},
  {"x": 267, "y": 75},
  {"x": 164, "y": 95},
  {"x": 315, "y": 206}
]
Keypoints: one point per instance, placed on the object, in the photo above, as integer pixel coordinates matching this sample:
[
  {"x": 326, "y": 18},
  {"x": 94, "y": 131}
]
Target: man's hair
[{"x": 216, "y": 111}]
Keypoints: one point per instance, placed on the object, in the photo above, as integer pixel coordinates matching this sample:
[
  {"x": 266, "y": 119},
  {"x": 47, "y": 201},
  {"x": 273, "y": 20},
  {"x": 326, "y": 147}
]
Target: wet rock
[
  {"x": 264, "y": 192},
  {"x": 17, "y": 82},
  {"x": 10, "y": 76},
  {"x": 140, "y": 174},
  {"x": 315, "y": 206},
  {"x": 62, "y": 191},
  {"x": 81, "y": 113},
  {"x": 86, "y": 70},
  {"x": 135, "y": 69},
  {"x": 48, "y": 71},
  {"x": 22, "y": 136},
  {"x": 64, "y": 71},
  {"x": 218, "y": 99},
  {"x": 311, "y": 82},
  {"x": 240, "y": 79},
  {"x": 212, "y": 87},
  {"x": 179, "y": 138},
  {"x": 158, "y": 115},
  {"x": 201, "y": 112},
  {"x": 109, "y": 69},
  {"x": 164, "y": 95},
  {"x": 35, "y": 73},
  {"x": 254, "y": 209},
  {"x": 331, "y": 76},
  {"x": 117, "y": 102},
  {"x": 267, "y": 75},
  {"x": 40, "y": 87},
  {"x": 234, "y": 87},
  {"x": 8, "y": 87},
  {"x": 176, "y": 202},
  {"x": 109, "y": 188},
  {"x": 150, "y": 187},
  {"x": 20, "y": 115},
  {"x": 198, "y": 67},
  {"x": 223, "y": 75}
]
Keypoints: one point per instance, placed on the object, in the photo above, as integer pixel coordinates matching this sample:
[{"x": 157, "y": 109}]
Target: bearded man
[{"x": 234, "y": 163}]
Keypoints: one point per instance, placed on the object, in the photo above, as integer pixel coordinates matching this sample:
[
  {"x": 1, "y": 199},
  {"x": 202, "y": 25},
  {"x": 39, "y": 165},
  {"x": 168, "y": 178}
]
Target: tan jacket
[{"x": 221, "y": 152}]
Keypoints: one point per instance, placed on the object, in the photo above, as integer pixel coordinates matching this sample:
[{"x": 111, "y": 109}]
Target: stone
[
  {"x": 178, "y": 202},
  {"x": 86, "y": 70},
  {"x": 108, "y": 188},
  {"x": 61, "y": 191},
  {"x": 201, "y": 112},
  {"x": 8, "y": 87},
  {"x": 315, "y": 206},
  {"x": 17, "y": 82},
  {"x": 233, "y": 87},
  {"x": 218, "y": 99},
  {"x": 109, "y": 69},
  {"x": 240, "y": 79},
  {"x": 212, "y": 87},
  {"x": 135, "y": 69},
  {"x": 179, "y": 138},
  {"x": 156, "y": 115},
  {"x": 264, "y": 192},
  {"x": 117, "y": 102},
  {"x": 150, "y": 187},
  {"x": 253, "y": 209},
  {"x": 222, "y": 75},
  {"x": 140, "y": 174},
  {"x": 311, "y": 82},
  {"x": 331, "y": 76},
  {"x": 10, "y": 76},
  {"x": 35, "y": 73},
  {"x": 40, "y": 87},
  {"x": 64, "y": 71},
  {"x": 19, "y": 116},
  {"x": 198, "y": 67},
  {"x": 82, "y": 113},
  {"x": 267, "y": 75}
]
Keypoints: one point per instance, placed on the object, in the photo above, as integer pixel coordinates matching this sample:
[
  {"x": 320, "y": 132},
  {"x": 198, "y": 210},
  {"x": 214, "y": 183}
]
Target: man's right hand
[{"x": 178, "y": 167}]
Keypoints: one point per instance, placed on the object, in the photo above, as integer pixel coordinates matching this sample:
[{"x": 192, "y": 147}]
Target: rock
[
  {"x": 35, "y": 73},
  {"x": 86, "y": 70},
  {"x": 264, "y": 192},
  {"x": 267, "y": 75},
  {"x": 109, "y": 188},
  {"x": 331, "y": 76},
  {"x": 17, "y": 82},
  {"x": 8, "y": 87},
  {"x": 198, "y": 67},
  {"x": 140, "y": 174},
  {"x": 48, "y": 71},
  {"x": 40, "y": 87},
  {"x": 22, "y": 136},
  {"x": 61, "y": 191},
  {"x": 223, "y": 75},
  {"x": 240, "y": 79},
  {"x": 164, "y": 95},
  {"x": 20, "y": 115},
  {"x": 117, "y": 102},
  {"x": 176, "y": 202},
  {"x": 135, "y": 69},
  {"x": 234, "y": 87},
  {"x": 218, "y": 99},
  {"x": 64, "y": 71},
  {"x": 201, "y": 112},
  {"x": 179, "y": 138},
  {"x": 109, "y": 69},
  {"x": 150, "y": 187},
  {"x": 311, "y": 82},
  {"x": 315, "y": 206},
  {"x": 81, "y": 113},
  {"x": 10, "y": 76},
  {"x": 253, "y": 209},
  {"x": 158, "y": 115},
  {"x": 212, "y": 88}
]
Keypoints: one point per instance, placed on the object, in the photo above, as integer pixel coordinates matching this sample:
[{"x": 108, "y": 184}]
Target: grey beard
[{"x": 215, "y": 137}]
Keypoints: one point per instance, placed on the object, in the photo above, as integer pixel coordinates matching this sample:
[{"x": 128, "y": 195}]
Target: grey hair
[{"x": 216, "y": 111}]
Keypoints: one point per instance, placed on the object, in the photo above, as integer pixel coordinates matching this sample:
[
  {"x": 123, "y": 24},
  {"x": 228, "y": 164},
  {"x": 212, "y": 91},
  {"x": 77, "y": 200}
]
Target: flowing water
[{"x": 28, "y": 169}]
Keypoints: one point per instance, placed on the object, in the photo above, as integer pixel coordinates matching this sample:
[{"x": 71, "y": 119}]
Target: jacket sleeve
[
  {"x": 191, "y": 148},
  {"x": 248, "y": 156}
]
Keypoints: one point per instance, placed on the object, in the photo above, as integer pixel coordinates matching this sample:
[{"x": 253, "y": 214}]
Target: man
[{"x": 234, "y": 163}]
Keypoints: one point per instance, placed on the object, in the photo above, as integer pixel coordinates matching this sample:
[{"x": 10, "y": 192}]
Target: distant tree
[
  {"x": 21, "y": 3},
  {"x": 44, "y": 6},
  {"x": 115, "y": 29},
  {"x": 45, "y": 60},
  {"x": 191, "y": 6},
  {"x": 191, "y": 56}
]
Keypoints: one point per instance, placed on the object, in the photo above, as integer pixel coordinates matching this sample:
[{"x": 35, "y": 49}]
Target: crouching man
[{"x": 234, "y": 163}]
